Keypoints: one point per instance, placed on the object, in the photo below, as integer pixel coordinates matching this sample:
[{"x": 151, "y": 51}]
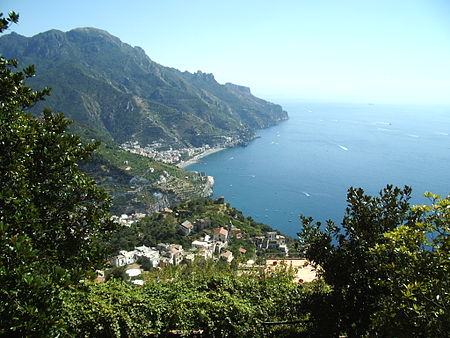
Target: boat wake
[{"x": 342, "y": 147}]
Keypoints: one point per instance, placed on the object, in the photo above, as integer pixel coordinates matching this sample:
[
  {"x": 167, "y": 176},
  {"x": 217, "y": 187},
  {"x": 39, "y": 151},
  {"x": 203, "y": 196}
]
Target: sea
[{"x": 305, "y": 165}]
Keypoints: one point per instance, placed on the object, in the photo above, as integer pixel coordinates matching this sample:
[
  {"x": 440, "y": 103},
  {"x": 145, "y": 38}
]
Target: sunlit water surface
[{"x": 306, "y": 164}]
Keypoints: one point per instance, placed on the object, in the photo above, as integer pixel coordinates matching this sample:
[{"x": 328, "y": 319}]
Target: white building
[
  {"x": 130, "y": 257},
  {"x": 124, "y": 258}
]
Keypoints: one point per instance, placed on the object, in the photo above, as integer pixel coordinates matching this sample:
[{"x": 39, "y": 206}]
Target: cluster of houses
[
  {"x": 170, "y": 156},
  {"x": 213, "y": 244},
  {"x": 163, "y": 253},
  {"x": 128, "y": 220},
  {"x": 173, "y": 156},
  {"x": 208, "y": 247}
]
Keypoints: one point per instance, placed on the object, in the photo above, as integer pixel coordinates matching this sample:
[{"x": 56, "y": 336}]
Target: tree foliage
[
  {"x": 53, "y": 218},
  {"x": 415, "y": 264},
  {"x": 5, "y": 22},
  {"x": 201, "y": 296},
  {"x": 387, "y": 265}
]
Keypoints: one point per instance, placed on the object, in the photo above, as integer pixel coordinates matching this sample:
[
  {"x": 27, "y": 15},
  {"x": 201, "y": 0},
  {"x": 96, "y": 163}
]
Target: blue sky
[{"x": 346, "y": 50}]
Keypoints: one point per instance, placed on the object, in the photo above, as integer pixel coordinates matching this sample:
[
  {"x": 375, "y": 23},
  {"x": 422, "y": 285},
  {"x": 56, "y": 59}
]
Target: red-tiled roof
[{"x": 221, "y": 231}]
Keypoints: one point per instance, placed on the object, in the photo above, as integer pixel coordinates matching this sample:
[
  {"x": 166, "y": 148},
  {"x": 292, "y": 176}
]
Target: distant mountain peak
[
  {"x": 91, "y": 34},
  {"x": 204, "y": 76},
  {"x": 91, "y": 30}
]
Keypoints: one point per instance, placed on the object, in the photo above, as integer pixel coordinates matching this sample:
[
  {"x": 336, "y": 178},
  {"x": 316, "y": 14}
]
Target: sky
[{"x": 387, "y": 51}]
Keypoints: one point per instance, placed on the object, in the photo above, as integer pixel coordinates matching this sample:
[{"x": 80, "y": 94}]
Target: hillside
[
  {"x": 137, "y": 183},
  {"x": 165, "y": 227},
  {"x": 117, "y": 89}
]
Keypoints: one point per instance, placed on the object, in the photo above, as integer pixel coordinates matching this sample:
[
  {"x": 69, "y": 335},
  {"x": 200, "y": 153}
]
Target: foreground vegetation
[
  {"x": 384, "y": 272},
  {"x": 205, "y": 296}
]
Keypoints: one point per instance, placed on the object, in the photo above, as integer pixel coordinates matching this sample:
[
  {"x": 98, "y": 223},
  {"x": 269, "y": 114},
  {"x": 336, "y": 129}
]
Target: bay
[{"x": 306, "y": 164}]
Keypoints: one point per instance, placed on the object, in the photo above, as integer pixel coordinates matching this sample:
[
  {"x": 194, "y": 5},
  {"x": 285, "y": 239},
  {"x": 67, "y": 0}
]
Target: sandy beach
[{"x": 194, "y": 159}]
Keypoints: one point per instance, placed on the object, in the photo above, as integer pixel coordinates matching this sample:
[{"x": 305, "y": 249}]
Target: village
[
  {"x": 212, "y": 245},
  {"x": 157, "y": 151}
]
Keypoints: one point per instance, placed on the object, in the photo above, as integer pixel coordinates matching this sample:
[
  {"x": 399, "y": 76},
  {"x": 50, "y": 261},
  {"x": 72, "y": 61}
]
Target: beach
[{"x": 195, "y": 158}]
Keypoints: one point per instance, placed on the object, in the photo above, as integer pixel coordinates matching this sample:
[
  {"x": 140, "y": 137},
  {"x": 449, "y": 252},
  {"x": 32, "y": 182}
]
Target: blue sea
[{"x": 306, "y": 164}]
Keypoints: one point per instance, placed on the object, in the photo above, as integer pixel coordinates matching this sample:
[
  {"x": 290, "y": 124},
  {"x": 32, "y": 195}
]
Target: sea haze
[{"x": 306, "y": 164}]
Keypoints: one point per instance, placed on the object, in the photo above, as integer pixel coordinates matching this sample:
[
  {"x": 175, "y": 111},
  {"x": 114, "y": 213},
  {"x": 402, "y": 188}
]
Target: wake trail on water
[{"x": 342, "y": 147}]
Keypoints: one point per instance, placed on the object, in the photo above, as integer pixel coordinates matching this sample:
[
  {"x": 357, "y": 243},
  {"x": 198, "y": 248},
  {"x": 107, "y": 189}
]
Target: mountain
[{"x": 105, "y": 84}]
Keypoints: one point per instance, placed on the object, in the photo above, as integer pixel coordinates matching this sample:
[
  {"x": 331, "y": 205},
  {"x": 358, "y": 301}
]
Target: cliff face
[{"x": 117, "y": 89}]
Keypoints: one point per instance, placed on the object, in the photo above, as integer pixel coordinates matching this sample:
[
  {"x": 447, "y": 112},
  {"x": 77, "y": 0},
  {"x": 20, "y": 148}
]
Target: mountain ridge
[{"x": 102, "y": 82}]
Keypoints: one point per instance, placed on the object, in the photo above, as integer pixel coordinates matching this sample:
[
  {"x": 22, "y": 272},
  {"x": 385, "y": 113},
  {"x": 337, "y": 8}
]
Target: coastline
[{"x": 197, "y": 157}]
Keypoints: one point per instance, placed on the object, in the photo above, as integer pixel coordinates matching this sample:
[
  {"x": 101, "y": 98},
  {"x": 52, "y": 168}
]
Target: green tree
[
  {"x": 388, "y": 267},
  {"x": 347, "y": 266},
  {"x": 53, "y": 218},
  {"x": 5, "y": 22},
  {"x": 415, "y": 268}
]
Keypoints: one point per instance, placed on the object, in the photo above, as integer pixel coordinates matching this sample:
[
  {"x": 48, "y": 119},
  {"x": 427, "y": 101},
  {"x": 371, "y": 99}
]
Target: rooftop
[
  {"x": 305, "y": 271},
  {"x": 221, "y": 231}
]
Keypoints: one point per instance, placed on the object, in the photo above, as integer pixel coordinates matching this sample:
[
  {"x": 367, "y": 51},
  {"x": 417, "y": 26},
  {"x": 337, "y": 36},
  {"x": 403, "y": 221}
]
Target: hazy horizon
[{"x": 348, "y": 51}]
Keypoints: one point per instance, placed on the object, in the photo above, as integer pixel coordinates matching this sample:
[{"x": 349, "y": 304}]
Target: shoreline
[{"x": 194, "y": 159}]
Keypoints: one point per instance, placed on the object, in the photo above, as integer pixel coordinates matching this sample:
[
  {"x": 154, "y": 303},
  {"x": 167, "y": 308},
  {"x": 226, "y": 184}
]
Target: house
[
  {"x": 201, "y": 245},
  {"x": 271, "y": 235},
  {"x": 201, "y": 224},
  {"x": 272, "y": 241},
  {"x": 220, "y": 234},
  {"x": 124, "y": 258},
  {"x": 237, "y": 233},
  {"x": 171, "y": 253},
  {"x": 130, "y": 257},
  {"x": 204, "y": 249},
  {"x": 227, "y": 256},
  {"x": 186, "y": 228},
  {"x": 151, "y": 254},
  {"x": 205, "y": 253},
  {"x": 218, "y": 246}
]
